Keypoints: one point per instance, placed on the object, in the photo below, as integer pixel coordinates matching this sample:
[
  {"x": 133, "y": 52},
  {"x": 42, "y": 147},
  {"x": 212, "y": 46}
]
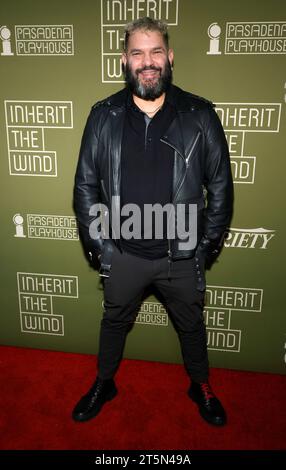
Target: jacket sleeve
[
  {"x": 87, "y": 185},
  {"x": 217, "y": 180}
]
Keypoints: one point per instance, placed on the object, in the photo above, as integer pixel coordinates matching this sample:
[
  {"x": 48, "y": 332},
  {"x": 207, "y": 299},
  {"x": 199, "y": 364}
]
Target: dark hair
[{"x": 146, "y": 24}]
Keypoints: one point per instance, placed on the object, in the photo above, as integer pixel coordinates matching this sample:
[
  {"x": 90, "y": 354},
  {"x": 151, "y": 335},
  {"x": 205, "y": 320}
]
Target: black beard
[{"x": 148, "y": 93}]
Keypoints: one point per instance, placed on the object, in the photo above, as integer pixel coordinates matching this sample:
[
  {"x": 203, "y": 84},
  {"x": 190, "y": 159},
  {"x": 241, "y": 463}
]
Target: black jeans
[{"x": 123, "y": 292}]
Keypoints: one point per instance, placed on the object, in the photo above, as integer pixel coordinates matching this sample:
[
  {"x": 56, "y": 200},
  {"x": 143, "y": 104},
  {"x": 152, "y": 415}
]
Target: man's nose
[{"x": 148, "y": 60}]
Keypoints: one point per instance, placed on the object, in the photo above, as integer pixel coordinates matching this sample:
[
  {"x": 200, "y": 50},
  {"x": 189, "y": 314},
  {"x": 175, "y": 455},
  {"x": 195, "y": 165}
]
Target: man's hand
[
  {"x": 94, "y": 259},
  {"x": 208, "y": 250}
]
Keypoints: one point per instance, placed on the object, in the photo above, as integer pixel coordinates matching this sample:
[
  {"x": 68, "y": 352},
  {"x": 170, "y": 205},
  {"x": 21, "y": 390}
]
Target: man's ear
[
  {"x": 123, "y": 59},
  {"x": 171, "y": 56}
]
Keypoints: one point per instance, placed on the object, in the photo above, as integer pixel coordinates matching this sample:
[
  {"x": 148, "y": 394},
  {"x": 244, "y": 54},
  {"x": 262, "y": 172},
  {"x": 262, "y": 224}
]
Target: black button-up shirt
[{"x": 146, "y": 173}]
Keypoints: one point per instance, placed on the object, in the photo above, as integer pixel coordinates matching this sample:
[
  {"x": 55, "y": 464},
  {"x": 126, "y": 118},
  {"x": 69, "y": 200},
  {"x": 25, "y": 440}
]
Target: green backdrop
[{"x": 57, "y": 59}]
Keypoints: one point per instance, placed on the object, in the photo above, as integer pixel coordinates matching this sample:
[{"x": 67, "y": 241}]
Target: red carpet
[{"x": 152, "y": 410}]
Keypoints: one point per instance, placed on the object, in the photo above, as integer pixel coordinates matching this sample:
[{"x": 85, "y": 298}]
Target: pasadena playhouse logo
[
  {"x": 25, "y": 125},
  {"x": 38, "y": 40},
  {"x": 47, "y": 227},
  {"x": 239, "y": 119},
  {"x": 36, "y": 297},
  {"x": 248, "y": 238},
  {"x": 220, "y": 303},
  {"x": 248, "y": 37},
  {"x": 114, "y": 16}
]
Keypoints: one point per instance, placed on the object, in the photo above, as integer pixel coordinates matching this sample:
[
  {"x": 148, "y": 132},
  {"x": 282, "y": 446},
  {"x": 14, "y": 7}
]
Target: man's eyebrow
[{"x": 156, "y": 48}]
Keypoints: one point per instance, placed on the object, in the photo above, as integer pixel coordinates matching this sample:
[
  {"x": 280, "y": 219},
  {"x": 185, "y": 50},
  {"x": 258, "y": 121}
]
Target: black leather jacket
[{"x": 201, "y": 165}]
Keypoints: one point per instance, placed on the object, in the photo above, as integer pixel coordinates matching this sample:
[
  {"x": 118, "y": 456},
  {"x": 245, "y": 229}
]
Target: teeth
[{"x": 148, "y": 74}]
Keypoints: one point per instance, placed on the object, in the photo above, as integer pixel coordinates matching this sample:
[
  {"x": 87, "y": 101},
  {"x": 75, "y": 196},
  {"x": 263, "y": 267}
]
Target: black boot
[
  {"x": 210, "y": 407},
  {"x": 91, "y": 403}
]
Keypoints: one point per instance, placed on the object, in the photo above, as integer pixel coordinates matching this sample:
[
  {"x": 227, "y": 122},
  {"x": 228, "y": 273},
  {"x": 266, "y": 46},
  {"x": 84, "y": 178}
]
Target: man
[{"x": 153, "y": 143}]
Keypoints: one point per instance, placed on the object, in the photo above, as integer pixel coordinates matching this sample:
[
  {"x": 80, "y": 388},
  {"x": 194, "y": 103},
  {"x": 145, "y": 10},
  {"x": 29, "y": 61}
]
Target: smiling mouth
[{"x": 149, "y": 73}]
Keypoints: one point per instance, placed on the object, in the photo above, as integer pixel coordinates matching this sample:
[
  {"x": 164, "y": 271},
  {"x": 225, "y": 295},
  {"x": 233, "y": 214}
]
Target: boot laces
[{"x": 207, "y": 391}]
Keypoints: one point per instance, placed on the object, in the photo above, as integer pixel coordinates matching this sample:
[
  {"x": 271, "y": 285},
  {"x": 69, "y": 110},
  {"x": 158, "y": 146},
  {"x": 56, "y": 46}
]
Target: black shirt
[{"x": 146, "y": 173}]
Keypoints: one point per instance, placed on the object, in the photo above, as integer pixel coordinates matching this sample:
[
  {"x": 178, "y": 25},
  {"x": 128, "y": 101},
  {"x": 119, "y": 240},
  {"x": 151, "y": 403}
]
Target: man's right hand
[
  {"x": 208, "y": 250},
  {"x": 94, "y": 259}
]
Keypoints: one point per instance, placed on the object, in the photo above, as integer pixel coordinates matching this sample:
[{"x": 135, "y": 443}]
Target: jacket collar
[{"x": 183, "y": 102}]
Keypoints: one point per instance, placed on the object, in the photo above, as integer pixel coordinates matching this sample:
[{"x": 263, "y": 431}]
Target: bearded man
[{"x": 153, "y": 144}]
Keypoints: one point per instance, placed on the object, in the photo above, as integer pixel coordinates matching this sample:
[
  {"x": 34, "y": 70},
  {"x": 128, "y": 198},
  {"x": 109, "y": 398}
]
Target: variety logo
[
  {"x": 114, "y": 16},
  {"x": 38, "y": 40},
  {"x": 249, "y": 238}
]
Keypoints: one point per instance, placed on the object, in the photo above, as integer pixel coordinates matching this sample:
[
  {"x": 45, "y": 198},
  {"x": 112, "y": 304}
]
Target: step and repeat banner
[{"x": 57, "y": 59}]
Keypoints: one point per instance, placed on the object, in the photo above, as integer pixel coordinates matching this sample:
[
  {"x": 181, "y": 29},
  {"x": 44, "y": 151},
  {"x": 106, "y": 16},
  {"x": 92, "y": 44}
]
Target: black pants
[{"x": 123, "y": 292}]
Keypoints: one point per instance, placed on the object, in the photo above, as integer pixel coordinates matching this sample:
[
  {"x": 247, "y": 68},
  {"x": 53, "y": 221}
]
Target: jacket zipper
[
  {"x": 168, "y": 221},
  {"x": 187, "y": 162},
  {"x": 105, "y": 211},
  {"x": 192, "y": 149},
  {"x": 104, "y": 190}
]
